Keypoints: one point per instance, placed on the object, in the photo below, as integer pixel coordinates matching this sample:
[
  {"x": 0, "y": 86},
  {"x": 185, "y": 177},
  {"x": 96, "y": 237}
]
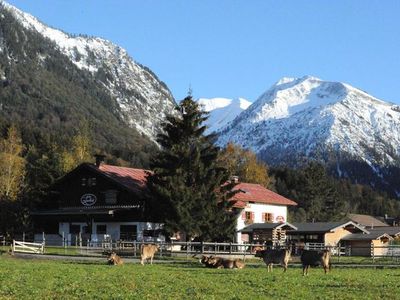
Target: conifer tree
[{"x": 189, "y": 189}]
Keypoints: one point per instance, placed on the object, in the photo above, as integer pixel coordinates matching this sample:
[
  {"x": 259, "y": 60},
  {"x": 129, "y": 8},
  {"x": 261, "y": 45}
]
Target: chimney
[
  {"x": 235, "y": 179},
  {"x": 99, "y": 159}
]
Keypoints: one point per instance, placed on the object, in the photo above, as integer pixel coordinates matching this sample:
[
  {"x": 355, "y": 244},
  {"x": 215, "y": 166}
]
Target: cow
[
  {"x": 221, "y": 263},
  {"x": 114, "y": 259},
  {"x": 275, "y": 256},
  {"x": 147, "y": 251},
  {"x": 315, "y": 258},
  {"x": 205, "y": 260},
  {"x": 257, "y": 248}
]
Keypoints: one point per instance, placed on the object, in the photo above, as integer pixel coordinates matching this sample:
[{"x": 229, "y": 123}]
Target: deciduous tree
[{"x": 12, "y": 165}]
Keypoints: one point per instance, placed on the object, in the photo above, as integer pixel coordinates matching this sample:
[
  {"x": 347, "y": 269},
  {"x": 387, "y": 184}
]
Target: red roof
[
  {"x": 251, "y": 192},
  {"x": 136, "y": 179}
]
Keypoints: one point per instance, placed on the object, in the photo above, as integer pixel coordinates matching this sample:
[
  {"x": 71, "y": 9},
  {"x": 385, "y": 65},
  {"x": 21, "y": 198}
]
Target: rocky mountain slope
[
  {"x": 356, "y": 134},
  {"x": 52, "y": 82},
  {"x": 222, "y": 111},
  {"x": 141, "y": 99}
]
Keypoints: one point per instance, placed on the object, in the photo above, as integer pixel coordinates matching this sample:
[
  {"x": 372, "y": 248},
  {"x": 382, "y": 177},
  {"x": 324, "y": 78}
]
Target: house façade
[{"x": 97, "y": 202}]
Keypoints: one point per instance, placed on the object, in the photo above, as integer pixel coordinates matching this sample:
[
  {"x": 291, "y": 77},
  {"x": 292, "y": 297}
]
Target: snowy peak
[
  {"x": 290, "y": 96},
  {"x": 305, "y": 118},
  {"x": 222, "y": 111}
]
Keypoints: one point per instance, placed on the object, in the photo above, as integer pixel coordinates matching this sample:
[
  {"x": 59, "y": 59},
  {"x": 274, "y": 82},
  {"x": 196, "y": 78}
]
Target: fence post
[
  {"x": 80, "y": 239},
  {"x": 13, "y": 247},
  {"x": 44, "y": 238},
  {"x": 23, "y": 236},
  {"x": 230, "y": 248},
  {"x": 372, "y": 252},
  {"x": 202, "y": 247}
]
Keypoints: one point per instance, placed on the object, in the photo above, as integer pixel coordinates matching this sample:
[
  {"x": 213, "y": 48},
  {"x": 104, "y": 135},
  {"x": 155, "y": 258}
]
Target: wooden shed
[
  {"x": 326, "y": 233},
  {"x": 367, "y": 244},
  {"x": 268, "y": 233}
]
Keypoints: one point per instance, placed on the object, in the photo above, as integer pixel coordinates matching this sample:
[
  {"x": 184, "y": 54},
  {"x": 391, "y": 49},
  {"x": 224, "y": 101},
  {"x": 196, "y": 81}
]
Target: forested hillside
[{"x": 47, "y": 97}]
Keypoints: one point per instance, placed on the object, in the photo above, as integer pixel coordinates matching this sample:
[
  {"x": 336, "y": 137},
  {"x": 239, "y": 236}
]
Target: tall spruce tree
[{"x": 189, "y": 190}]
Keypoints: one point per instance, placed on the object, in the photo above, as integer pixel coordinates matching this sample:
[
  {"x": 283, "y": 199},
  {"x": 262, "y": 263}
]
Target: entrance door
[
  {"x": 74, "y": 230},
  {"x": 128, "y": 232}
]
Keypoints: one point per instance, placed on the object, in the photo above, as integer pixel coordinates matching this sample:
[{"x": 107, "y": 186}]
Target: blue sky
[{"x": 240, "y": 48}]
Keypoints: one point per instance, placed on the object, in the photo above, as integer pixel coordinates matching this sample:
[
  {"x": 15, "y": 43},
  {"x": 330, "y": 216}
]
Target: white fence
[{"x": 26, "y": 247}]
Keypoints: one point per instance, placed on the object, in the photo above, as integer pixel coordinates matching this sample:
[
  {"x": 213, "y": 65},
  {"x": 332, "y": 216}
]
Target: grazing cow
[
  {"x": 315, "y": 258},
  {"x": 147, "y": 251},
  {"x": 221, "y": 263},
  {"x": 275, "y": 256},
  {"x": 115, "y": 260}
]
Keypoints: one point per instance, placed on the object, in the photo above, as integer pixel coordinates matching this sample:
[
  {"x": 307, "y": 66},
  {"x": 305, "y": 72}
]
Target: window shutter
[
  {"x": 263, "y": 217},
  {"x": 243, "y": 215},
  {"x": 252, "y": 215}
]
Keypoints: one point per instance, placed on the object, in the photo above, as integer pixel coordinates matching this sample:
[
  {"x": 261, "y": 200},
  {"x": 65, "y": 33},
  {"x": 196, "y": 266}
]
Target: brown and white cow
[
  {"x": 114, "y": 259},
  {"x": 315, "y": 258},
  {"x": 275, "y": 256},
  {"x": 221, "y": 263},
  {"x": 147, "y": 251}
]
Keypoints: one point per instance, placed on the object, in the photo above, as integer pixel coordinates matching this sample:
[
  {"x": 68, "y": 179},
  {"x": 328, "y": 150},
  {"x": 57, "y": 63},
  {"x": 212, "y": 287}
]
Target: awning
[{"x": 82, "y": 211}]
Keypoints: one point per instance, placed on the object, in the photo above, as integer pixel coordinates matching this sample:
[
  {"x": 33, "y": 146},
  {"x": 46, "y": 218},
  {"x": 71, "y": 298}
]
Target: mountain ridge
[{"x": 333, "y": 122}]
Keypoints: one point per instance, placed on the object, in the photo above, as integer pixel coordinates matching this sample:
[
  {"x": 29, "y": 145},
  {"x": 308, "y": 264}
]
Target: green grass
[{"x": 45, "y": 279}]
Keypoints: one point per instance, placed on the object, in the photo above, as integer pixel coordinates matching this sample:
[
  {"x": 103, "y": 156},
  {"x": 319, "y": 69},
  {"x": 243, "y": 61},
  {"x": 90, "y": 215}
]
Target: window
[
  {"x": 92, "y": 181},
  {"x": 268, "y": 218},
  {"x": 101, "y": 229},
  {"x": 88, "y": 181},
  {"x": 248, "y": 217},
  {"x": 128, "y": 232},
  {"x": 110, "y": 197}
]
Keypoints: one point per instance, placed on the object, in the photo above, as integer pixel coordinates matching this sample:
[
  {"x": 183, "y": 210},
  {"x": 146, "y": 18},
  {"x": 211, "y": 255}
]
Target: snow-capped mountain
[
  {"x": 222, "y": 111},
  {"x": 142, "y": 100},
  {"x": 302, "y": 118}
]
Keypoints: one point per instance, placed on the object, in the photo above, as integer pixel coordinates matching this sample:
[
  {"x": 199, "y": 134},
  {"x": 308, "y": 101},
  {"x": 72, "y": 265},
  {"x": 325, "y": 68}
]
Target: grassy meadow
[{"x": 46, "y": 279}]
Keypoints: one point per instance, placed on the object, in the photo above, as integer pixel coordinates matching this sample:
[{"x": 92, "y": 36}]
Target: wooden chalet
[{"x": 98, "y": 202}]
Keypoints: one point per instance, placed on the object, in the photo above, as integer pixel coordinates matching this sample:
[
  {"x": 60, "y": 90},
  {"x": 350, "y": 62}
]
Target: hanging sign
[
  {"x": 88, "y": 199},
  {"x": 280, "y": 219}
]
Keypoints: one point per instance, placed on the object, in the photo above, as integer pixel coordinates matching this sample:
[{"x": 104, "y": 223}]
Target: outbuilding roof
[
  {"x": 252, "y": 192},
  {"x": 321, "y": 227},
  {"x": 366, "y": 237},
  {"x": 366, "y": 220},
  {"x": 266, "y": 226},
  {"x": 390, "y": 230}
]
